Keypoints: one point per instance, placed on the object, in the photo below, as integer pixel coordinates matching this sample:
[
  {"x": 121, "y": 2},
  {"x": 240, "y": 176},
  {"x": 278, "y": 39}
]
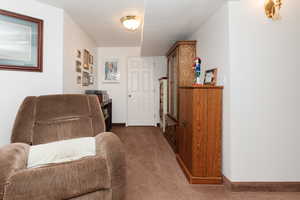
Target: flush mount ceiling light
[
  {"x": 272, "y": 8},
  {"x": 130, "y": 22}
]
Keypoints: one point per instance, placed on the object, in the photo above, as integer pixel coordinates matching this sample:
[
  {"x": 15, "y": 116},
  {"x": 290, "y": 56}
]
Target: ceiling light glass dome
[{"x": 131, "y": 23}]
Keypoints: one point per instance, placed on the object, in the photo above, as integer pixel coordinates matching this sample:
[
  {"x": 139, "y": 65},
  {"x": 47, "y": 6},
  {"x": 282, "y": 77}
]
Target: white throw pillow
[{"x": 61, "y": 151}]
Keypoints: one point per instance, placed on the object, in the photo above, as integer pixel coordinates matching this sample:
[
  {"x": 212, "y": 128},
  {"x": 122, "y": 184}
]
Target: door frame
[{"x": 127, "y": 91}]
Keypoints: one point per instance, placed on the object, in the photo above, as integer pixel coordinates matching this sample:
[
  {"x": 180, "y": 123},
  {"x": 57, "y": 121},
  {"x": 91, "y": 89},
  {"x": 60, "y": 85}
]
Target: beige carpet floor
[{"x": 153, "y": 173}]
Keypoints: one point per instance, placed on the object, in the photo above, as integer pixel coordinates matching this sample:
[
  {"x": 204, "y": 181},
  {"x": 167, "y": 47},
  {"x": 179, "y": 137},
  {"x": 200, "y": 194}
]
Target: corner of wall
[{"x": 75, "y": 38}]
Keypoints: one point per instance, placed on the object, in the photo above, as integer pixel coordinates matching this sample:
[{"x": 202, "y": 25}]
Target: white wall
[
  {"x": 16, "y": 85},
  {"x": 261, "y": 97},
  {"x": 117, "y": 91},
  {"x": 76, "y": 39},
  {"x": 213, "y": 49},
  {"x": 265, "y": 92}
]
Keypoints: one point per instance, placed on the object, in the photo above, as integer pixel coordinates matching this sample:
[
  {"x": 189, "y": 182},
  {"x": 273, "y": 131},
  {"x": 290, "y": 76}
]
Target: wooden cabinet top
[
  {"x": 182, "y": 42},
  {"x": 202, "y": 87}
]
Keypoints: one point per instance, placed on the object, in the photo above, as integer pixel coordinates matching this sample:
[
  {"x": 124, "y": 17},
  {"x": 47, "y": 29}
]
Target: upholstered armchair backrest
[{"x": 52, "y": 118}]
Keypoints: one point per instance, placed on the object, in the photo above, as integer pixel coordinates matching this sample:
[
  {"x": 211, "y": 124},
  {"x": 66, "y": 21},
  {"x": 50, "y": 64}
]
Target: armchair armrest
[
  {"x": 109, "y": 146},
  {"x": 13, "y": 158}
]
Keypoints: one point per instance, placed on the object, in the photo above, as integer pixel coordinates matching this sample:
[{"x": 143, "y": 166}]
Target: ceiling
[{"x": 165, "y": 21}]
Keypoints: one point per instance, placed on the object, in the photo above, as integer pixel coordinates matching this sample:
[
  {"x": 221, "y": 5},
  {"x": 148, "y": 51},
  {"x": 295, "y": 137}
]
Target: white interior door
[{"x": 140, "y": 92}]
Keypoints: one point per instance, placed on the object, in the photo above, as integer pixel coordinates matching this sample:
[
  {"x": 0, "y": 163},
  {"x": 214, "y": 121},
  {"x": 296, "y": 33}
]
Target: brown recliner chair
[{"x": 52, "y": 118}]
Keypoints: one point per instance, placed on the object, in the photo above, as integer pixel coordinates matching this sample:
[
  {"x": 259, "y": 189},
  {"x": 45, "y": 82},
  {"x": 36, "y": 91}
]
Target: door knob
[{"x": 129, "y": 95}]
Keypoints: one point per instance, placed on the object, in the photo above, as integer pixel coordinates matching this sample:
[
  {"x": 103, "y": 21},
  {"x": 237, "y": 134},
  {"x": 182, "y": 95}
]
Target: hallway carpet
[{"x": 153, "y": 173}]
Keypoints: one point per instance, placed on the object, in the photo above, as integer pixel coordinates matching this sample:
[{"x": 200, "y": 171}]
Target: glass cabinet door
[{"x": 173, "y": 85}]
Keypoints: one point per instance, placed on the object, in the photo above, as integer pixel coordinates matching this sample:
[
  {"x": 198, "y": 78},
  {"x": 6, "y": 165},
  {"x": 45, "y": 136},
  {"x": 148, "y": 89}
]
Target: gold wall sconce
[{"x": 272, "y": 9}]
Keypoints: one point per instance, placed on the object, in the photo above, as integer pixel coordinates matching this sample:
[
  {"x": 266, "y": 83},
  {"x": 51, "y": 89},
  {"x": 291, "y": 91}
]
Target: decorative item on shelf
[
  {"x": 21, "y": 42},
  {"x": 78, "y": 66},
  {"x": 79, "y": 80},
  {"x": 111, "y": 71},
  {"x": 197, "y": 70},
  {"x": 78, "y": 54},
  {"x": 272, "y": 9},
  {"x": 85, "y": 79},
  {"x": 86, "y": 59},
  {"x": 211, "y": 77}
]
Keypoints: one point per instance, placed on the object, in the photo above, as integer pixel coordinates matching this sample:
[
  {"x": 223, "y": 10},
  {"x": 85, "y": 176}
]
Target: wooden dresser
[{"x": 199, "y": 133}]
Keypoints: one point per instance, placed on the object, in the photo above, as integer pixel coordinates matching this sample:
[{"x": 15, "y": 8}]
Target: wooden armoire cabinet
[
  {"x": 199, "y": 133},
  {"x": 180, "y": 73}
]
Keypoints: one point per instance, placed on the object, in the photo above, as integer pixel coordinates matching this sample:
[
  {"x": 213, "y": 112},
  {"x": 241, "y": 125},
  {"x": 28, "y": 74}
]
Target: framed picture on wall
[
  {"x": 86, "y": 59},
  {"x": 111, "y": 71},
  {"x": 85, "y": 79},
  {"x": 92, "y": 69},
  {"x": 78, "y": 66},
  {"x": 21, "y": 40},
  {"x": 78, "y": 54},
  {"x": 91, "y": 79},
  {"x": 79, "y": 80},
  {"x": 91, "y": 60}
]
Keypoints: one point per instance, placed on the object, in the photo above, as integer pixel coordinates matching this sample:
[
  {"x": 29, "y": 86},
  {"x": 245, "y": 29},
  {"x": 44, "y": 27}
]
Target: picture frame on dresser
[
  {"x": 22, "y": 37},
  {"x": 211, "y": 77}
]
